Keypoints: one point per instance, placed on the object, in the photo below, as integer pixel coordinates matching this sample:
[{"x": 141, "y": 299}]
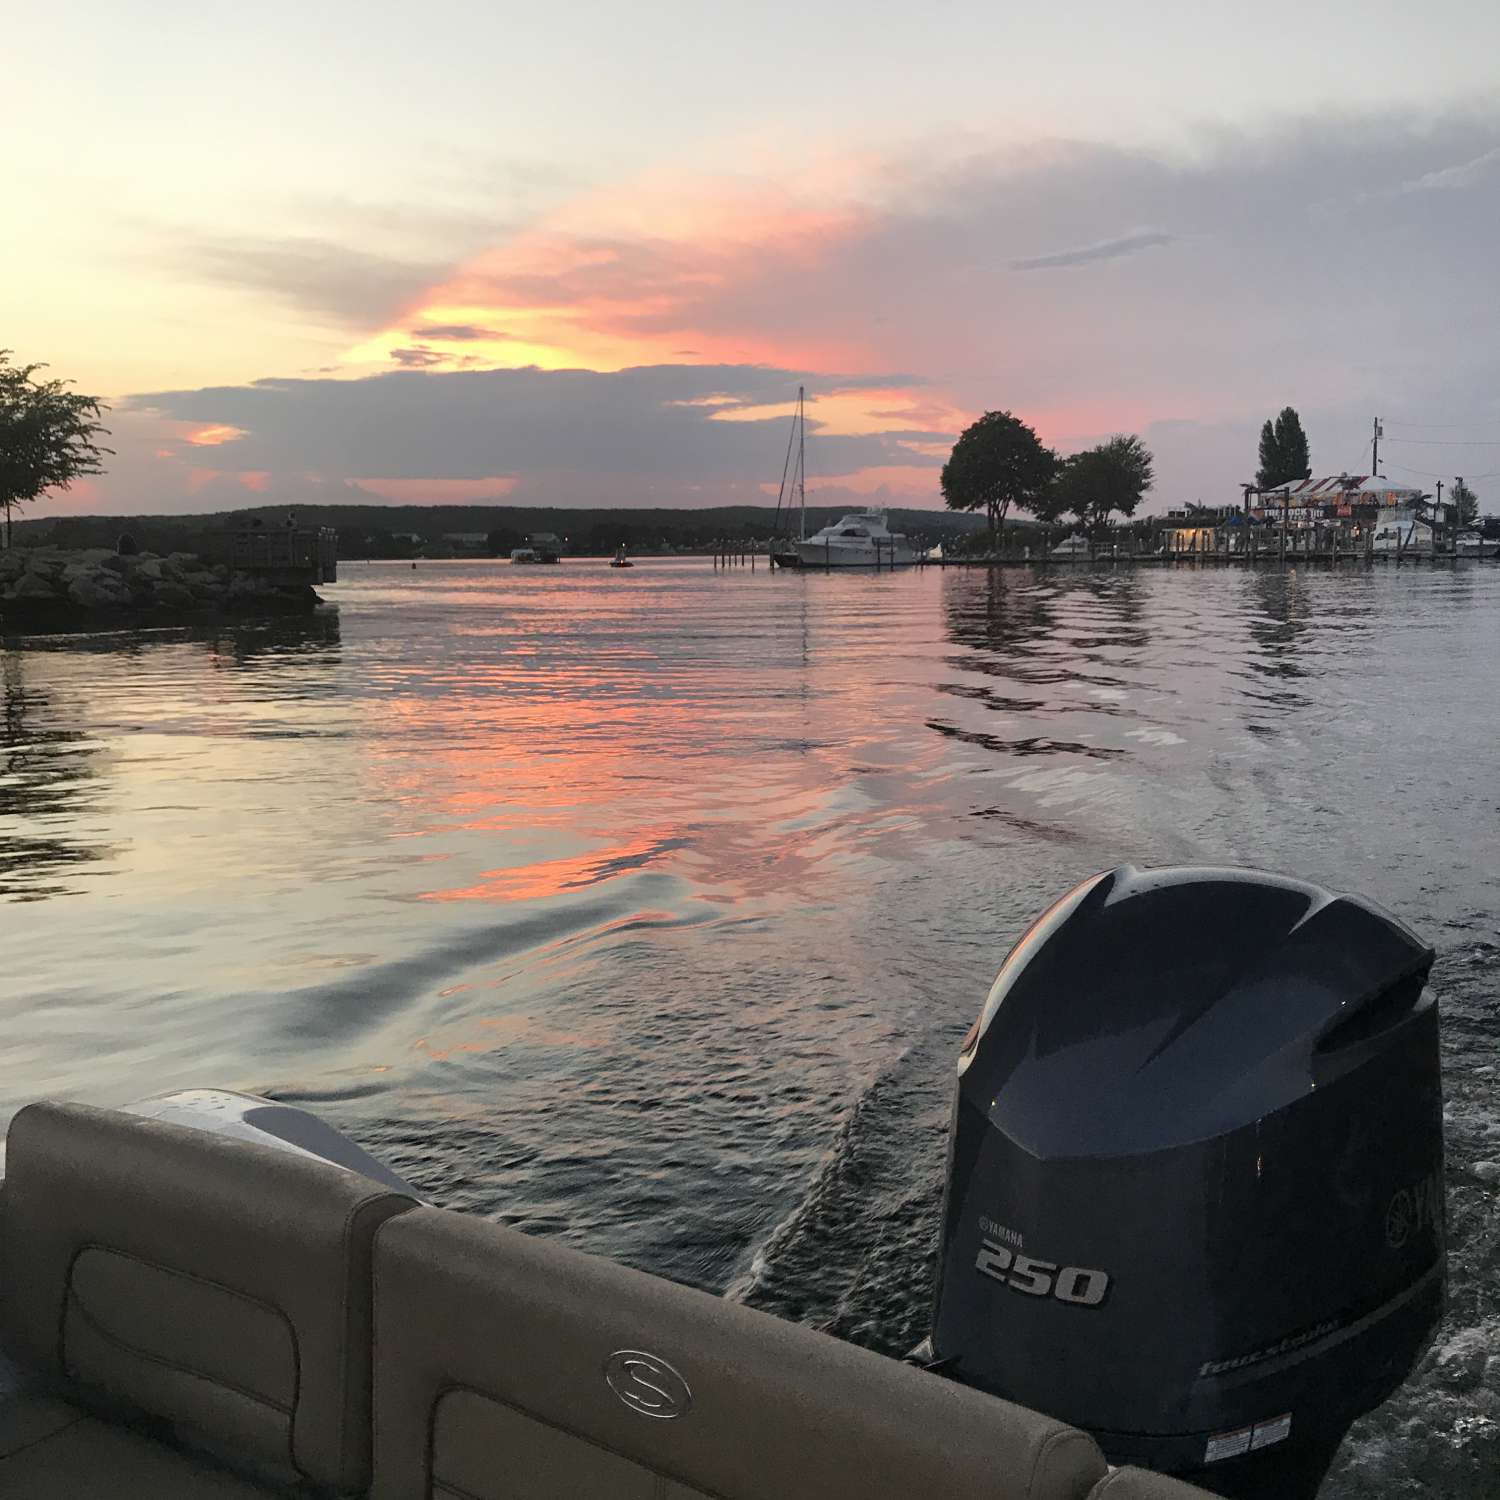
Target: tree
[
  {"x": 997, "y": 462},
  {"x": 47, "y": 435},
  {"x": 1466, "y": 501},
  {"x": 1284, "y": 454},
  {"x": 1096, "y": 483}
]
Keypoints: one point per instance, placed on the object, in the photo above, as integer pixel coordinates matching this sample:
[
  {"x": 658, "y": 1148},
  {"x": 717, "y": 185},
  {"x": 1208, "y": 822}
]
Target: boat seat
[
  {"x": 197, "y": 1303},
  {"x": 1143, "y": 1484},
  {"x": 50, "y": 1450},
  {"x": 507, "y": 1368}
]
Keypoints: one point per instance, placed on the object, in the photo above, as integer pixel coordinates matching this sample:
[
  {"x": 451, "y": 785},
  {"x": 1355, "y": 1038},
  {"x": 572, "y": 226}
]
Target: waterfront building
[
  {"x": 1351, "y": 501},
  {"x": 1194, "y": 528}
]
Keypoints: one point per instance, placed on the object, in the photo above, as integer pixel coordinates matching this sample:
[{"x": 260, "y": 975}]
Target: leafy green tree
[
  {"x": 1284, "y": 453},
  {"x": 1466, "y": 501},
  {"x": 47, "y": 435},
  {"x": 1098, "y": 482},
  {"x": 996, "y": 463}
]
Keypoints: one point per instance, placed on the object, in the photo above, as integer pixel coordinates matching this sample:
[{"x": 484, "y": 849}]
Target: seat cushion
[
  {"x": 507, "y": 1368},
  {"x": 50, "y": 1450},
  {"x": 1143, "y": 1484},
  {"x": 219, "y": 1284}
]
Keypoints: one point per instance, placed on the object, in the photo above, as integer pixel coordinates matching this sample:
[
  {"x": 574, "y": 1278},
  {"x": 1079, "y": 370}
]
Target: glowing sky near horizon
[{"x": 601, "y": 244}]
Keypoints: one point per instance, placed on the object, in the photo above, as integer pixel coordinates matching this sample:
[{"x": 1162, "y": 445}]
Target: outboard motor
[{"x": 1195, "y": 1189}]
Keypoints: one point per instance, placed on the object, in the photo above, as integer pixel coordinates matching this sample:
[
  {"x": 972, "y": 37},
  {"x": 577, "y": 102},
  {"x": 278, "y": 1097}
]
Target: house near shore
[{"x": 1194, "y": 528}]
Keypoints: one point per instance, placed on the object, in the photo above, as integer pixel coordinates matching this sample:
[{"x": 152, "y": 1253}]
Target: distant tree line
[
  {"x": 999, "y": 464},
  {"x": 389, "y": 531}
]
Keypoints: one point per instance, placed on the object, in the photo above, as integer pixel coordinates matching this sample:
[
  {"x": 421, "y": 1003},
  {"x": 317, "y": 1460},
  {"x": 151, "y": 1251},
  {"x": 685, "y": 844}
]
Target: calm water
[{"x": 646, "y": 910}]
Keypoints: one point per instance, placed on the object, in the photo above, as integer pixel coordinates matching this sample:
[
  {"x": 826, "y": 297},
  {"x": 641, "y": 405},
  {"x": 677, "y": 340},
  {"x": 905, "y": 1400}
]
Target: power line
[
  {"x": 1439, "y": 426},
  {"x": 1449, "y": 442},
  {"x": 1428, "y": 474},
  {"x": 1425, "y": 473}
]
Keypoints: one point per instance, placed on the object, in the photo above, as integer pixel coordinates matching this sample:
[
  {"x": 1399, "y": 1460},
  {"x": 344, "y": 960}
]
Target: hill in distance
[{"x": 367, "y": 531}]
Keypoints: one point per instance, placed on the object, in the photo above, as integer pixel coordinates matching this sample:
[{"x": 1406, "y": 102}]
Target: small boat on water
[
  {"x": 1474, "y": 544},
  {"x": 619, "y": 560},
  {"x": 541, "y": 547}
]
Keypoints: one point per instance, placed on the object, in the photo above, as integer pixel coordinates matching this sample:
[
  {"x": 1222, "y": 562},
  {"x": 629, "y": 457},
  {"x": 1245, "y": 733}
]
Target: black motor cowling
[{"x": 1195, "y": 1192}]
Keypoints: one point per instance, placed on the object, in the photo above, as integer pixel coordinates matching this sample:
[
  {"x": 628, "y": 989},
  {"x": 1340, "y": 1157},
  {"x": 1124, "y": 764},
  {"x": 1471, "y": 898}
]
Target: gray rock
[
  {"x": 1487, "y": 1171},
  {"x": 31, "y": 586},
  {"x": 150, "y": 567},
  {"x": 94, "y": 593},
  {"x": 173, "y": 596}
]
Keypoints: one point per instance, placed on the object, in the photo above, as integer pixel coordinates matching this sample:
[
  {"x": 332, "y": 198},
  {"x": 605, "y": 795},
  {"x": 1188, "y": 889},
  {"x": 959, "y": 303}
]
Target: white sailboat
[{"x": 793, "y": 489}]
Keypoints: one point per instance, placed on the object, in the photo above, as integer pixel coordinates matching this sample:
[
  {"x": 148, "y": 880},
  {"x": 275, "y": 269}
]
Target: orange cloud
[
  {"x": 212, "y": 437},
  {"x": 640, "y": 274}
]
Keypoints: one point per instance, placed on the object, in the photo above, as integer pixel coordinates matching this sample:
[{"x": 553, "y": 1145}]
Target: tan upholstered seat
[
  {"x": 507, "y": 1368},
  {"x": 1142, "y": 1484},
  {"x": 218, "y": 1285}
]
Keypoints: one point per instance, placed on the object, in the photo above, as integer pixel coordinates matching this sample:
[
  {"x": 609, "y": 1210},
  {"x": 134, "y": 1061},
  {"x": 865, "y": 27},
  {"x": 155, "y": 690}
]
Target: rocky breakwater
[{"x": 45, "y": 588}]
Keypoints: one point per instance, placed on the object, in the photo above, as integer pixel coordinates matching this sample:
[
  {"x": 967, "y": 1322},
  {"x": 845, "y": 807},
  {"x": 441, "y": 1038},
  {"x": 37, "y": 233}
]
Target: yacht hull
[{"x": 846, "y": 555}]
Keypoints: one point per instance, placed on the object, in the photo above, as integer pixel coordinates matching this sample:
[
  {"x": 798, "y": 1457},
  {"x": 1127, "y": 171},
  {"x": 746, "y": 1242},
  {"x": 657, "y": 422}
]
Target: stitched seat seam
[{"x": 74, "y": 1301}]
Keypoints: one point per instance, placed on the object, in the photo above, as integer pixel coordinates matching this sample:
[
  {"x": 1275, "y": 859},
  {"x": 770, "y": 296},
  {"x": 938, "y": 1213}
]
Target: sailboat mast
[{"x": 802, "y": 462}]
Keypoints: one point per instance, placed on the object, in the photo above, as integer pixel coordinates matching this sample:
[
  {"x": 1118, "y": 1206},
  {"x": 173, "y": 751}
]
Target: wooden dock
[{"x": 1230, "y": 547}]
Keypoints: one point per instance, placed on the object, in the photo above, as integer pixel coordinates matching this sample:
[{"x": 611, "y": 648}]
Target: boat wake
[{"x": 855, "y": 1256}]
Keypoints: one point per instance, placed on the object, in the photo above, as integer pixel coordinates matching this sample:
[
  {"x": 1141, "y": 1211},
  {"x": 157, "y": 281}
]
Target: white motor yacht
[{"x": 859, "y": 540}]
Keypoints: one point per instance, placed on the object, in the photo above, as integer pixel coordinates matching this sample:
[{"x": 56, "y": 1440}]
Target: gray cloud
[
  {"x": 636, "y": 431},
  {"x": 1125, "y": 244},
  {"x": 417, "y": 359},
  {"x": 458, "y": 332},
  {"x": 1464, "y": 175},
  {"x": 351, "y": 287}
]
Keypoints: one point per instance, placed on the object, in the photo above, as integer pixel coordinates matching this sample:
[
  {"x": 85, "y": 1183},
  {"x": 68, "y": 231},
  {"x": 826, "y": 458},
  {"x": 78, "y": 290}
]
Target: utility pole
[
  {"x": 1437, "y": 516},
  {"x": 1375, "y": 450},
  {"x": 1458, "y": 516}
]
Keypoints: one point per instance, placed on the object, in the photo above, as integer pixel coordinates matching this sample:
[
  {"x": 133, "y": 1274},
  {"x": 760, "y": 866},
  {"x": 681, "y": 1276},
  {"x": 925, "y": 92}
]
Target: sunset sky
[{"x": 584, "y": 253}]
